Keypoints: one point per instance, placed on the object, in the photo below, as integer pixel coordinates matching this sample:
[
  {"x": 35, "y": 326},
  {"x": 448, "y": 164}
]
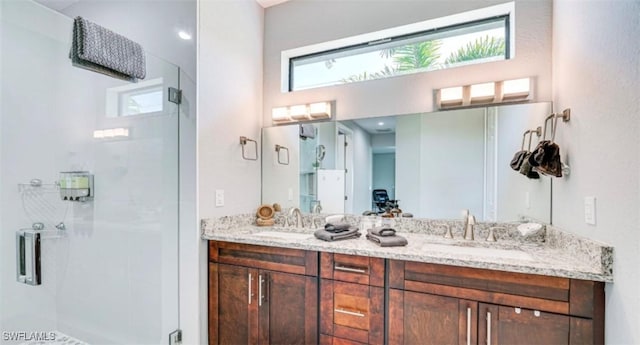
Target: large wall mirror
[{"x": 433, "y": 164}]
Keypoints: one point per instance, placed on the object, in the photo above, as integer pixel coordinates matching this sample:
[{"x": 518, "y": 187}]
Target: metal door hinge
[
  {"x": 175, "y": 337},
  {"x": 175, "y": 95}
]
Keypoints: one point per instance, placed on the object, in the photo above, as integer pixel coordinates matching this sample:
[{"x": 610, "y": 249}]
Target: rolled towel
[
  {"x": 325, "y": 235},
  {"x": 388, "y": 241},
  {"x": 382, "y": 231},
  {"x": 338, "y": 227}
]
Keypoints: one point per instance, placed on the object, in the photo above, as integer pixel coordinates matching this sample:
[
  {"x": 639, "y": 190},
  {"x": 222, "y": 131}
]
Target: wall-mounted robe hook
[
  {"x": 243, "y": 143},
  {"x": 282, "y": 148}
]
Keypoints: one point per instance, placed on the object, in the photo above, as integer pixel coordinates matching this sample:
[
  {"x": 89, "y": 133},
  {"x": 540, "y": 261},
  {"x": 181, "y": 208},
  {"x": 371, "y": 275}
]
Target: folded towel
[
  {"x": 388, "y": 241},
  {"x": 325, "y": 235},
  {"x": 338, "y": 227},
  {"x": 382, "y": 231},
  {"x": 101, "y": 50}
]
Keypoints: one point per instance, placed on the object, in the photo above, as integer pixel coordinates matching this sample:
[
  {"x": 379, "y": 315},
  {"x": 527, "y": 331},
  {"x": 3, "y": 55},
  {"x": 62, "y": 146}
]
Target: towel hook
[
  {"x": 243, "y": 143},
  {"x": 565, "y": 115},
  {"x": 280, "y": 148}
]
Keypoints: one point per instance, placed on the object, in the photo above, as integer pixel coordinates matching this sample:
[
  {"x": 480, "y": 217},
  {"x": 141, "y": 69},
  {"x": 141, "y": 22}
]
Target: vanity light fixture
[
  {"x": 482, "y": 93},
  {"x": 450, "y": 97},
  {"x": 302, "y": 112},
  {"x": 111, "y": 133},
  {"x": 507, "y": 91},
  {"x": 299, "y": 112}
]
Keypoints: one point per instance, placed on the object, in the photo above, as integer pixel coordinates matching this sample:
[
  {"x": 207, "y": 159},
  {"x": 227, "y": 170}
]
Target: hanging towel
[
  {"x": 517, "y": 160},
  {"x": 325, "y": 235},
  {"x": 527, "y": 170},
  {"x": 387, "y": 241},
  {"x": 382, "y": 231},
  {"x": 546, "y": 159},
  {"x": 101, "y": 50}
]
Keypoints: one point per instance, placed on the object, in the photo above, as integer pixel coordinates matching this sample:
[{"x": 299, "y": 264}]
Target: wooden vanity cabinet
[
  {"x": 351, "y": 299},
  {"x": 262, "y": 295},
  {"x": 438, "y": 304}
]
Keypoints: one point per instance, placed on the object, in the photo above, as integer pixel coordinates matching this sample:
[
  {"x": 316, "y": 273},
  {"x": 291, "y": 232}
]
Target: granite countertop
[{"x": 554, "y": 253}]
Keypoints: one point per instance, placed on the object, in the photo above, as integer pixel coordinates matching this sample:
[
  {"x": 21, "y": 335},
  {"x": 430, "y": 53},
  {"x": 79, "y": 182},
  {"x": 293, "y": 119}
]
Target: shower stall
[{"x": 101, "y": 266}]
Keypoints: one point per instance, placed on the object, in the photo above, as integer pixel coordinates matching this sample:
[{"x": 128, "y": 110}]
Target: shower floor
[{"x": 59, "y": 338}]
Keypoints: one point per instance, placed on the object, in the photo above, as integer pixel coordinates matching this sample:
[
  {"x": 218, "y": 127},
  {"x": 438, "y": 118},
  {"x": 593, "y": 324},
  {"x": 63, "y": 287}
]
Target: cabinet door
[
  {"x": 513, "y": 326},
  {"x": 233, "y": 314},
  {"x": 419, "y": 318},
  {"x": 288, "y": 305}
]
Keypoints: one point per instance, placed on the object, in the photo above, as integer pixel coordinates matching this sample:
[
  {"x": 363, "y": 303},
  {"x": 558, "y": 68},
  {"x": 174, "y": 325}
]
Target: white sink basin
[
  {"x": 284, "y": 235},
  {"x": 477, "y": 252}
]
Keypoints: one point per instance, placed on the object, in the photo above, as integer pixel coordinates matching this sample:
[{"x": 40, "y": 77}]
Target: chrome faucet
[
  {"x": 296, "y": 211},
  {"x": 469, "y": 221},
  {"x": 317, "y": 208}
]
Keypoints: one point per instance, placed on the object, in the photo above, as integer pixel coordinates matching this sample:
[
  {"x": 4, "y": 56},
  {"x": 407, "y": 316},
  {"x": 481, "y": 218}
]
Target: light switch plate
[
  {"x": 219, "y": 197},
  {"x": 590, "y": 210}
]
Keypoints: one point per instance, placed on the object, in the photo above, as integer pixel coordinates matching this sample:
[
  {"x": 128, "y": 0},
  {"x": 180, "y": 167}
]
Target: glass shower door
[{"x": 109, "y": 265}]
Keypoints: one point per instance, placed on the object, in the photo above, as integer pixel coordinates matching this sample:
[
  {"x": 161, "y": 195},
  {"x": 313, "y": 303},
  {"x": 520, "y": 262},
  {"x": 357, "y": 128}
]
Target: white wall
[
  {"x": 513, "y": 188},
  {"x": 296, "y": 24},
  {"x": 230, "y": 79},
  {"x": 451, "y": 164},
  {"x": 596, "y": 73},
  {"x": 362, "y": 165},
  {"x": 229, "y": 106},
  {"x": 279, "y": 179},
  {"x": 383, "y": 142}
]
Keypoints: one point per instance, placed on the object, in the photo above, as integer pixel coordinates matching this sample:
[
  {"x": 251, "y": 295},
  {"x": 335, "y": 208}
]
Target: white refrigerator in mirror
[{"x": 331, "y": 190}]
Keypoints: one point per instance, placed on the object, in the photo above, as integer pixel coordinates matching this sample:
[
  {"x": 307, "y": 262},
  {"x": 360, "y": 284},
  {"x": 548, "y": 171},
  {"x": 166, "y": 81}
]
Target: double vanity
[{"x": 280, "y": 285}]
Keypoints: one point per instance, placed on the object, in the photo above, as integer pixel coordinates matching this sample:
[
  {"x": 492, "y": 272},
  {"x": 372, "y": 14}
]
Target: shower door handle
[{"x": 28, "y": 269}]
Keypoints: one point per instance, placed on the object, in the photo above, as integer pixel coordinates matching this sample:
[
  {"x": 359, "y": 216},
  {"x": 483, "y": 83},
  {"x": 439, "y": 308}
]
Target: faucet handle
[
  {"x": 447, "y": 233},
  {"x": 492, "y": 235}
]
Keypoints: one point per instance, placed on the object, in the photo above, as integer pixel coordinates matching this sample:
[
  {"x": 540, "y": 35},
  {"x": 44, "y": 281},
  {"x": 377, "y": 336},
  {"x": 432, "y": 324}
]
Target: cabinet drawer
[
  {"x": 277, "y": 259},
  {"x": 352, "y": 311},
  {"x": 352, "y": 268}
]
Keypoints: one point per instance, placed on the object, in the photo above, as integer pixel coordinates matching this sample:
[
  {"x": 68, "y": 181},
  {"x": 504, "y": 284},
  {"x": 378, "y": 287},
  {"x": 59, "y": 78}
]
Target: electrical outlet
[
  {"x": 290, "y": 194},
  {"x": 590, "y": 210},
  {"x": 527, "y": 200},
  {"x": 219, "y": 197}
]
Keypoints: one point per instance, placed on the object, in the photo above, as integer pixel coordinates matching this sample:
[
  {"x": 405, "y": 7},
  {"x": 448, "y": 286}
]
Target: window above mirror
[{"x": 472, "y": 37}]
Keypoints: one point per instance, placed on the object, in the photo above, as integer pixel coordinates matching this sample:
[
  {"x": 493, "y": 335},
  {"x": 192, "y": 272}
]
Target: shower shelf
[{"x": 37, "y": 185}]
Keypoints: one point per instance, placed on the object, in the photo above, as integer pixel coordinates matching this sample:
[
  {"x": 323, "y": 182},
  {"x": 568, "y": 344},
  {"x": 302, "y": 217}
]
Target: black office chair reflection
[{"x": 381, "y": 202}]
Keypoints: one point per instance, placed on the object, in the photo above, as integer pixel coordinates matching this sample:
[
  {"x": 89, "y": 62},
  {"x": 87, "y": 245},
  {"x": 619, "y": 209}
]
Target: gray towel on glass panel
[
  {"x": 101, "y": 50},
  {"x": 325, "y": 235},
  {"x": 387, "y": 241}
]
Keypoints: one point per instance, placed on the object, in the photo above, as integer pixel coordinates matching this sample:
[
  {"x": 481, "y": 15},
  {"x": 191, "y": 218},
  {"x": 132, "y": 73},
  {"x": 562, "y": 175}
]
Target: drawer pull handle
[
  {"x": 250, "y": 292},
  {"x": 348, "y": 312},
  {"x": 468, "y": 326},
  {"x": 350, "y": 269},
  {"x": 260, "y": 292},
  {"x": 488, "y": 328}
]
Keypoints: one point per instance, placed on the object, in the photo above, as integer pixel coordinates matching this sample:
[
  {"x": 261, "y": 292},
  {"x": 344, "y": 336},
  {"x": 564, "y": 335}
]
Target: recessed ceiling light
[
  {"x": 184, "y": 35},
  {"x": 380, "y": 123}
]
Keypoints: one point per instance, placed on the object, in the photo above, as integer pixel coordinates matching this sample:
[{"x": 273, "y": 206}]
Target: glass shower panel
[{"x": 111, "y": 277}]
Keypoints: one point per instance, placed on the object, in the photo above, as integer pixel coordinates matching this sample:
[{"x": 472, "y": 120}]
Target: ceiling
[
  {"x": 373, "y": 125},
  {"x": 269, "y": 3},
  {"x": 59, "y": 5}
]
